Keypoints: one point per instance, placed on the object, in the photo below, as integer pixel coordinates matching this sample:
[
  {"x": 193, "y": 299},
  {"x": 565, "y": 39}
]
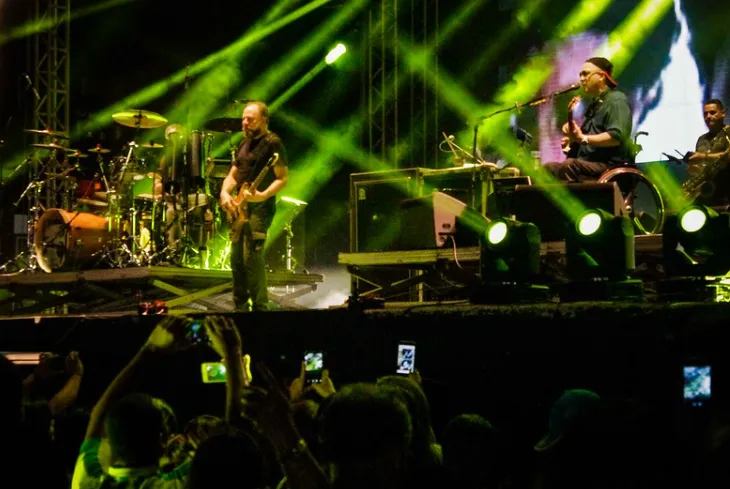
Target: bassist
[{"x": 247, "y": 251}]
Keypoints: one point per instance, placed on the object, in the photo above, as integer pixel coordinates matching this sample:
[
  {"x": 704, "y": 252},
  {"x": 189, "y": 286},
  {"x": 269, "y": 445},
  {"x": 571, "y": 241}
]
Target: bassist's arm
[
  {"x": 281, "y": 172},
  {"x": 229, "y": 183}
]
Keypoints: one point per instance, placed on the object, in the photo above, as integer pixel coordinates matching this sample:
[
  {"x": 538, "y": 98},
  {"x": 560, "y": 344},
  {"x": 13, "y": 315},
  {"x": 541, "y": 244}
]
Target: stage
[{"x": 119, "y": 291}]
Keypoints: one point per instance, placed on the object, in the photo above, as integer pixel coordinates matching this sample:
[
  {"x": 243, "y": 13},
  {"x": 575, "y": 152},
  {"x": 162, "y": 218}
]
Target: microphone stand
[{"x": 539, "y": 100}]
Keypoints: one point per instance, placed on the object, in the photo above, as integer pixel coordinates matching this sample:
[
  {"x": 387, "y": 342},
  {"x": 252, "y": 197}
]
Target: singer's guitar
[
  {"x": 571, "y": 148},
  {"x": 239, "y": 216}
]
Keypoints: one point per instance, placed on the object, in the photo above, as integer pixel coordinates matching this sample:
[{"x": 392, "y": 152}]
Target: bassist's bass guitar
[{"x": 239, "y": 216}]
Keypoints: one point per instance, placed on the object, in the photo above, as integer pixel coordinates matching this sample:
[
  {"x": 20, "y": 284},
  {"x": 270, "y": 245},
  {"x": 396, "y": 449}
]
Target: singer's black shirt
[
  {"x": 251, "y": 158},
  {"x": 609, "y": 112}
]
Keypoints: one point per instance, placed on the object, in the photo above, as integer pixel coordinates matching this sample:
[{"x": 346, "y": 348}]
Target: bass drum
[{"x": 67, "y": 240}]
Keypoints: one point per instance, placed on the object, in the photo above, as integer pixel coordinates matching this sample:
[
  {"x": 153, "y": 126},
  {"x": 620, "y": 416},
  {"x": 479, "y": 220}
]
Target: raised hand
[
  {"x": 223, "y": 334},
  {"x": 168, "y": 336},
  {"x": 74, "y": 366}
]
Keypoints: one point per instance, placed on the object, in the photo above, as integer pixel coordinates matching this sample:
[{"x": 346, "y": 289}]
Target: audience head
[
  {"x": 137, "y": 427},
  {"x": 471, "y": 447},
  {"x": 365, "y": 432},
  {"x": 423, "y": 438},
  {"x": 227, "y": 460},
  {"x": 574, "y": 415}
]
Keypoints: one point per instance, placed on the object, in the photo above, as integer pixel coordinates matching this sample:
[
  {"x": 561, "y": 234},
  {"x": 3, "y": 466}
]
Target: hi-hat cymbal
[
  {"x": 47, "y": 132},
  {"x": 143, "y": 119},
  {"x": 223, "y": 124},
  {"x": 75, "y": 153},
  {"x": 49, "y": 146},
  {"x": 152, "y": 145},
  {"x": 99, "y": 150}
]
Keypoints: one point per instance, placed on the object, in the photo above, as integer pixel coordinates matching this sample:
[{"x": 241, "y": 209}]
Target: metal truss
[
  {"x": 423, "y": 122},
  {"x": 51, "y": 79},
  {"x": 402, "y": 110},
  {"x": 382, "y": 79},
  {"x": 51, "y": 63}
]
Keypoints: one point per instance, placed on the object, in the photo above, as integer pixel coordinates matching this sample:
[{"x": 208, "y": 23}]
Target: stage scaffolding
[{"x": 402, "y": 109}]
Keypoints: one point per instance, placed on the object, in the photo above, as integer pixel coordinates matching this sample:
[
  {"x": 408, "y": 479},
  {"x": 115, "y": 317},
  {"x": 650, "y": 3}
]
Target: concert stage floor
[{"x": 119, "y": 291}]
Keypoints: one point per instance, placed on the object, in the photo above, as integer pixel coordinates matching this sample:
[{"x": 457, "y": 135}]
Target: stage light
[
  {"x": 600, "y": 246},
  {"x": 496, "y": 232},
  {"x": 509, "y": 263},
  {"x": 696, "y": 243},
  {"x": 599, "y": 255},
  {"x": 335, "y": 53}
]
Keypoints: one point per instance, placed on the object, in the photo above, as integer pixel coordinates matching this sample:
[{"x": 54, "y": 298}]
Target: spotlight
[
  {"x": 696, "y": 243},
  {"x": 510, "y": 263},
  {"x": 599, "y": 254},
  {"x": 335, "y": 53}
]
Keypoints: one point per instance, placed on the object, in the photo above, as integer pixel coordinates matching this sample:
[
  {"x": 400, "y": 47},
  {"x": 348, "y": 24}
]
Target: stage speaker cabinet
[
  {"x": 470, "y": 185},
  {"x": 375, "y": 198},
  {"x": 431, "y": 221},
  {"x": 532, "y": 203}
]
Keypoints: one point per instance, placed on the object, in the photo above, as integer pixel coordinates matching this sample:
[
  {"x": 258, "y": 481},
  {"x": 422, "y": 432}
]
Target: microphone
[
  {"x": 544, "y": 98},
  {"x": 571, "y": 88},
  {"x": 30, "y": 85}
]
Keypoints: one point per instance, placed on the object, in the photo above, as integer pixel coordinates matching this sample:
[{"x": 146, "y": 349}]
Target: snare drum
[{"x": 68, "y": 240}]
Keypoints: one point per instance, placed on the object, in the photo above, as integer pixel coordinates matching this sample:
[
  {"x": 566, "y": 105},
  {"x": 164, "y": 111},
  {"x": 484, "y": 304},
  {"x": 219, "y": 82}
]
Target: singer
[
  {"x": 603, "y": 140},
  {"x": 247, "y": 253}
]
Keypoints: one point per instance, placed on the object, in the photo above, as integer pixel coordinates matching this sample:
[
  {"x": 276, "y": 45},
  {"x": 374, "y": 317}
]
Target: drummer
[{"x": 168, "y": 187}]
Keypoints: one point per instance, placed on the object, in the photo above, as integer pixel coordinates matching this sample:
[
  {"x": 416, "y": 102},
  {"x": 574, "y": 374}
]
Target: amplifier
[
  {"x": 531, "y": 203},
  {"x": 375, "y": 198}
]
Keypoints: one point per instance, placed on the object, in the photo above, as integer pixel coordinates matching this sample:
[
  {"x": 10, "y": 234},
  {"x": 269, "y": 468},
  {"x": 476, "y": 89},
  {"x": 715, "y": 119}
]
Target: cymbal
[
  {"x": 99, "y": 150},
  {"x": 152, "y": 145},
  {"x": 75, "y": 153},
  {"x": 93, "y": 203},
  {"x": 139, "y": 118},
  {"x": 223, "y": 124},
  {"x": 47, "y": 132},
  {"x": 49, "y": 146}
]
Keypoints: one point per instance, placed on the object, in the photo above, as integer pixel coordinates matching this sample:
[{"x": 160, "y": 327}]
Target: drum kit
[
  {"x": 150, "y": 205},
  {"x": 129, "y": 214}
]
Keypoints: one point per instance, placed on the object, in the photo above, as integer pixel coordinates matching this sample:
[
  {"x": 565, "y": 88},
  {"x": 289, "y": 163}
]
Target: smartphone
[
  {"x": 213, "y": 372},
  {"x": 406, "y": 358},
  {"x": 697, "y": 384},
  {"x": 313, "y": 365},
  {"x": 195, "y": 332}
]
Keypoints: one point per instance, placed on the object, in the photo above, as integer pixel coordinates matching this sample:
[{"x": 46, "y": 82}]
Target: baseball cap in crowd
[{"x": 571, "y": 409}]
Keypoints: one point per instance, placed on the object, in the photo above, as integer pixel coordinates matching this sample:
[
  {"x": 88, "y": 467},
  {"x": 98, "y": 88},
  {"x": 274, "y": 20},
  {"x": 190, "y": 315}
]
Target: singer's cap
[{"x": 607, "y": 67}]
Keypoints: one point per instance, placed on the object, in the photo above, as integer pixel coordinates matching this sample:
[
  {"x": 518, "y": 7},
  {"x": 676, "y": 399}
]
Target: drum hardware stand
[
  {"x": 35, "y": 208},
  {"x": 290, "y": 261}
]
